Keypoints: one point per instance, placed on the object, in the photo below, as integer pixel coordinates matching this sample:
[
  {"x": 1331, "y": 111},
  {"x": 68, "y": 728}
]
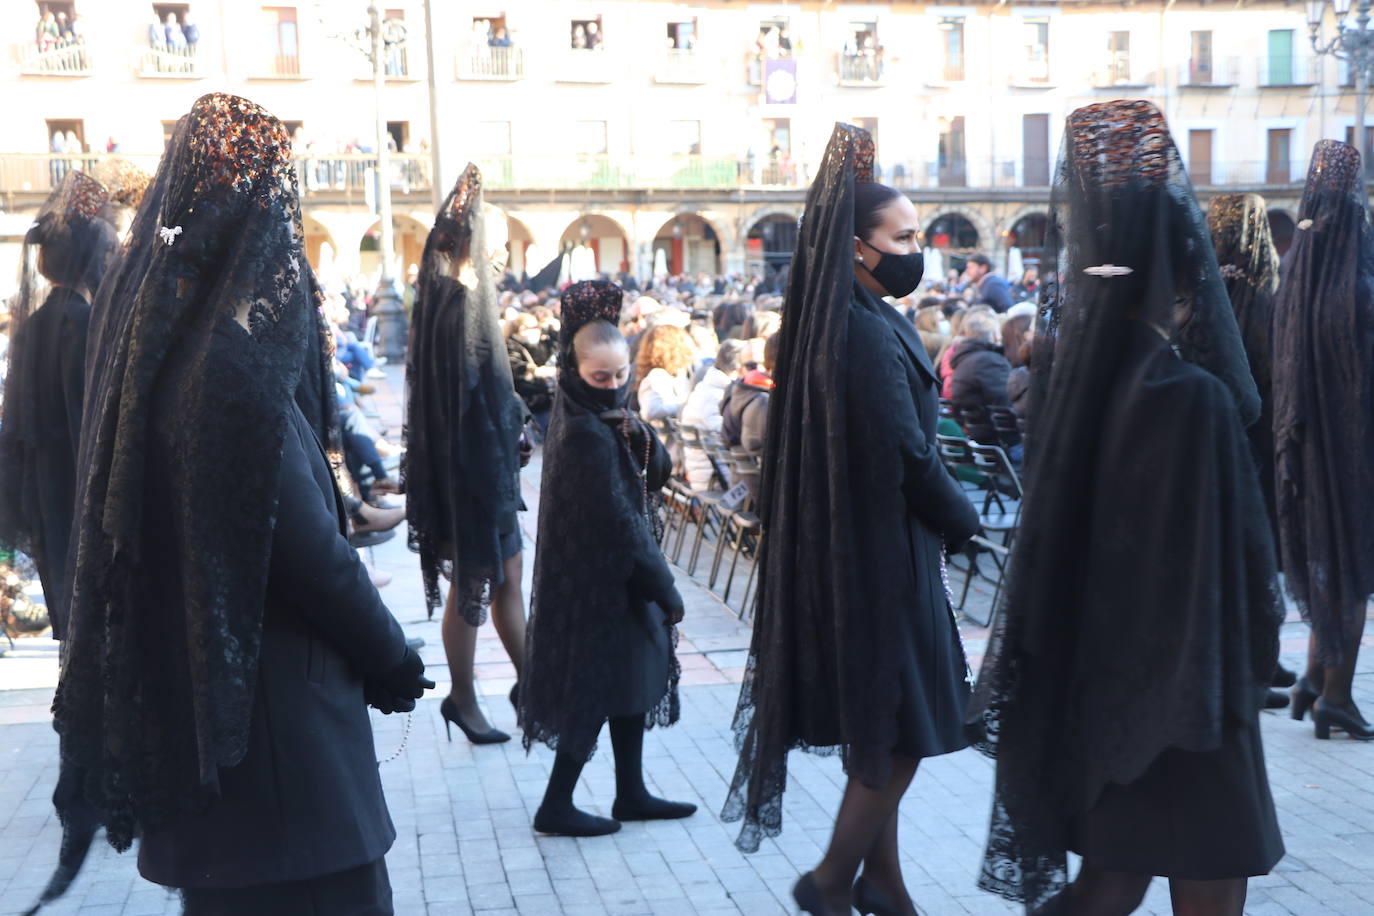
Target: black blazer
[{"x": 307, "y": 799}]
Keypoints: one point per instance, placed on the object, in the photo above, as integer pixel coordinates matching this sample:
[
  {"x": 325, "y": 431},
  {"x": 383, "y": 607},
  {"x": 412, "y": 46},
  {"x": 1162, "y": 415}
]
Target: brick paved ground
[{"x": 463, "y": 813}]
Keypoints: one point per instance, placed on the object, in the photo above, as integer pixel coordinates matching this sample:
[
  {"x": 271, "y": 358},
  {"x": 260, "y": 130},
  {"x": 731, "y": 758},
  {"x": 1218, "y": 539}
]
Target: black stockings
[
  {"x": 1335, "y": 681},
  {"x": 866, "y": 834}
]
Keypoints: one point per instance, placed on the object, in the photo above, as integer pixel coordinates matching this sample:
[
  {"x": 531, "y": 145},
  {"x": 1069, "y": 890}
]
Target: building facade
[{"x": 677, "y": 133}]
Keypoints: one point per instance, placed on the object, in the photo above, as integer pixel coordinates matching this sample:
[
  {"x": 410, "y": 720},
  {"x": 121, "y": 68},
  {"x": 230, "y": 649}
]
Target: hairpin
[
  {"x": 1305, "y": 224},
  {"x": 1108, "y": 270},
  {"x": 169, "y": 235}
]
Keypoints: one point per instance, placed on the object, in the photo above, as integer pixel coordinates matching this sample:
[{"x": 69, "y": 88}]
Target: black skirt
[
  {"x": 1196, "y": 816},
  {"x": 361, "y": 891},
  {"x": 930, "y": 716}
]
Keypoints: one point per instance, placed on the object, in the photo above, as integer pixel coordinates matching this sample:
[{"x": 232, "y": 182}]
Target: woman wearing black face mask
[{"x": 855, "y": 649}]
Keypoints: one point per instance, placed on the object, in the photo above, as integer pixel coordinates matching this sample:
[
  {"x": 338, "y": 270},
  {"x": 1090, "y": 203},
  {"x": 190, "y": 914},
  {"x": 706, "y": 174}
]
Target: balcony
[
  {"x": 63, "y": 60},
  {"x": 681, "y": 67},
  {"x": 1247, "y": 174},
  {"x": 1116, "y": 73},
  {"x": 589, "y": 65},
  {"x": 614, "y": 172},
  {"x": 1213, "y": 73},
  {"x": 1288, "y": 71},
  {"x": 861, "y": 69},
  {"x": 482, "y": 62},
  {"x": 395, "y": 67},
  {"x": 278, "y": 67},
  {"x": 162, "y": 64},
  {"x": 1031, "y": 74}
]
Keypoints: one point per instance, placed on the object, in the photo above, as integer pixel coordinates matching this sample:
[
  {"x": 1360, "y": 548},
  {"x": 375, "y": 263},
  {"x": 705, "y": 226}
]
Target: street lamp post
[
  {"x": 377, "y": 42},
  {"x": 1354, "y": 44}
]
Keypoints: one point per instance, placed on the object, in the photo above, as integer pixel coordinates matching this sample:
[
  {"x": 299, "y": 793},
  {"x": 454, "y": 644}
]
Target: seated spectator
[
  {"x": 1016, "y": 331},
  {"x": 499, "y": 38},
  {"x": 933, "y": 328},
  {"x": 1027, "y": 286},
  {"x": 665, "y": 359},
  {"x": 744, "y": 411},
  {"x": 956, "y": 326},
  {"x": 988, "y": 288},
  {"x": 702, "y": 410},
  {"x": 157, "y": 35},
  {"x": 529, "y": 366},
  {"x": 979, "y": 380}
]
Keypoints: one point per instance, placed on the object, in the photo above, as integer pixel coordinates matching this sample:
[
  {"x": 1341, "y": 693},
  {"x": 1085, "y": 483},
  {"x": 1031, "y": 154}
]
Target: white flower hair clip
[
  {"x": 169, "y": 235},
  {"x": 1108, "y": 270},
  {"x": 1305, "y": 224}
]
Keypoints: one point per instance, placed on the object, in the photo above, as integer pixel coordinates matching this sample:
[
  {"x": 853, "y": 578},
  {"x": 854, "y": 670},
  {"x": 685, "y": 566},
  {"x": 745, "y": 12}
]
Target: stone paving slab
[{"x": 463, "y": 813}]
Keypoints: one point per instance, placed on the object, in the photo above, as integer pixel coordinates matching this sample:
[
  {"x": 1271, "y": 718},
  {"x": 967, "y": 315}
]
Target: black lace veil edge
[
  {"x": 456, "y": 345},
  {"x": 1120, "y": 193},
  {"x": 1323, "y": 399},
  {"x": 169, "y": 361},
  {"x": 812, "y": 351}
]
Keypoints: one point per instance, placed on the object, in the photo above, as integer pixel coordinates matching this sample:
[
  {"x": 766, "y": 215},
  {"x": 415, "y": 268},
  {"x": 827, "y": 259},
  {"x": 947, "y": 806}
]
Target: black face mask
[{"x": 899, "y": 274}]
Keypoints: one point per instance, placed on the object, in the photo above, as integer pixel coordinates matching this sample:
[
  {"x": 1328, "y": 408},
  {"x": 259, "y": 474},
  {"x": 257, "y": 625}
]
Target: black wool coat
[{"x": 307, "y": 798}]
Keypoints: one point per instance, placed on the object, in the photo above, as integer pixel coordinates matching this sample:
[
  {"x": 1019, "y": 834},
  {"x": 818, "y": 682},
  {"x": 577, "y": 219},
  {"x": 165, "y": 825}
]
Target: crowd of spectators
[{"x": 58, "y": 36}]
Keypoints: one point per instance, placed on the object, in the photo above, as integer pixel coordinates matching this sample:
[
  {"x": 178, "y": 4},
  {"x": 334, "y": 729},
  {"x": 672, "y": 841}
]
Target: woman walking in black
[
  {"x": 462, "y": 462},
  {"x": 604, "y": 611},
  {"x": 1324, "y": 432},
  {"x": 70, "y": 245},
  {"x": 855, "y": 649},
  {"x": 1122, "y": 685},
  {"x": 225, "y": 640}
]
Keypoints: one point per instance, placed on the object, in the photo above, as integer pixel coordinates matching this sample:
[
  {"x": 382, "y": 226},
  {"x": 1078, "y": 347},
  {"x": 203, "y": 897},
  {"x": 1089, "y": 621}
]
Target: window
[
  {"x": 589, "y": 138},
  {"x": 1280, "y": 71},
  {"x": 394, "y": 30},
  {"x": 1200, "y": 157},
  {"x": 59, "y": 44},
  {"x": 1200, "y": 59},
  {"x": 952, "y": 32},
  {"x": 862, "y": 57},
  {"x": 684, "y": 138},
  {"x": 1035, "y": 150},
  {"x": 1036, "y": 41},
  {"x": 400, "y": 134},
  {"x": 682, "y": 35},
  {"x": 493, "y": 138},
  {"x": 1118, "y": 58},
  {"x": 279, "y": 26},
  {"x": 774, "y": 41},
  {"x": 68, "y": 128},
  {"x": 1368, "y": 152},
  {"x": 1280, "y": 163},
  {"x": 587, "y": 34},
  {"x": 950, "y": 155}
]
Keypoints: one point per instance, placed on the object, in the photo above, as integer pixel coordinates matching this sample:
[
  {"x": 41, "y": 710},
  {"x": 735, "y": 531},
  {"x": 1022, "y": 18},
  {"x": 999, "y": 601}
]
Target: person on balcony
[
  {"x": 499, "y": 38},
  {"x": 176, "y": 38},
  {"x": 47, "y": 34},
  {"x": 191, "y": 31}
]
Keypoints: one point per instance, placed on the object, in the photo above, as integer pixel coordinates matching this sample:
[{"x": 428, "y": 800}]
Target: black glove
[
  {"x": 673, "y": 609},
  {"x": 397, "y": 690}
]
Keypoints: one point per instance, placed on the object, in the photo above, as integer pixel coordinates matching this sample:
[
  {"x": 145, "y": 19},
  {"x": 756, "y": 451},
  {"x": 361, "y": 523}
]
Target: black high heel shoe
[
  {"x": 449, "y": 712},
  {"x": 1348, "y": 719},
  {"x": 808, "y": 896},
  {"x": 870, "y": 901},
  {"x": 1304, "y": 695}
]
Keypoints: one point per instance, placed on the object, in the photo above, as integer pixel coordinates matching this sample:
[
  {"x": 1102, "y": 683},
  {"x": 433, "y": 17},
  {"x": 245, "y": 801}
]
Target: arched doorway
[
  {"x": 768, "y": 246},
  {"x": 604, "y": 237},
  {"x": 689, "y": 245},
  {"x": 518, "y": 245},
  {"x": 1026, "y": 244},
  {"x": 1282, "y": 227},
  {"x": 320, "y": 249},
  {"x": 409, "y": 234},
  {"x": 954, "y": 237}
]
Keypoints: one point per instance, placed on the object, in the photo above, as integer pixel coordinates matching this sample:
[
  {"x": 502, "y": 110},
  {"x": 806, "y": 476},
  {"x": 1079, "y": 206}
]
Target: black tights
[
  {"x": 1334, "y": 682},
  {"x": 627, "y": 744},
  {"x": 1096, "y": 892},
  {"x": 866, "y": 834}
]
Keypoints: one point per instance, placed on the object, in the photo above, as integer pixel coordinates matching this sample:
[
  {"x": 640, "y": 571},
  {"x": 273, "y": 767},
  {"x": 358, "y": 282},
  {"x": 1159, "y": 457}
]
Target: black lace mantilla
[
  {"x": 194, "y": 361},
  {"x": 463, "y": 418}
]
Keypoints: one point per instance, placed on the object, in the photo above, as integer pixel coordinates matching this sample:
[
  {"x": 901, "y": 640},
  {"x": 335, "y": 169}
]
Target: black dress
[{"x": 52, "y": 347}]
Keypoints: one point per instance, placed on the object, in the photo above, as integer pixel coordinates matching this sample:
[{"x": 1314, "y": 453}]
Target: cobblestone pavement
[{"x": 463, "y": 813}]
